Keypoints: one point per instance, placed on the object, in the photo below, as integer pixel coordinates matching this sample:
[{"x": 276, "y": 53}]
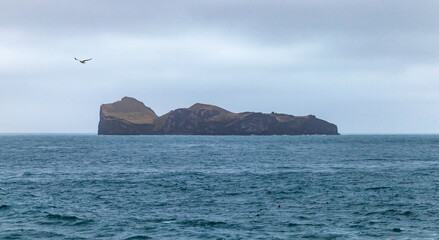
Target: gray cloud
[{"x": 361, "y": 64}]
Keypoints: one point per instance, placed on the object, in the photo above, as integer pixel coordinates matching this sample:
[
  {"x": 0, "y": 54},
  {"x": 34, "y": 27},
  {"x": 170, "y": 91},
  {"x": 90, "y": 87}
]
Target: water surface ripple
[{"x": 219, "y": 187}]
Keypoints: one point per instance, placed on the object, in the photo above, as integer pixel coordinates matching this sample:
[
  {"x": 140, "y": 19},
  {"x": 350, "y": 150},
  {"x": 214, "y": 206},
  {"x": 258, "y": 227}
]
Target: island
[{"x": 131, "y": 117}]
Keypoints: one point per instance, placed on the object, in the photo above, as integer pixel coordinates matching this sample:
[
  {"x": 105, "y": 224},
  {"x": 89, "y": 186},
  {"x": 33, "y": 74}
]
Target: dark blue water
[{"x": 212, "y": 187}]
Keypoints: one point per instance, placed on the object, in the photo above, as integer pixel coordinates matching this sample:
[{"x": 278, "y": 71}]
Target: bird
[{"x": 83, "y": 61}]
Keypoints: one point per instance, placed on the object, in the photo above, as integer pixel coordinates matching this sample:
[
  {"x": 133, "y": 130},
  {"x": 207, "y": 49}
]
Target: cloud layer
[{"x": 367, "y": 66}]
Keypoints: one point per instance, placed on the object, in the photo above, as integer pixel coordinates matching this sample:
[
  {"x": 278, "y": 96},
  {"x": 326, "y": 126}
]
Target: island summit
[{"x": 131, "y": 117}]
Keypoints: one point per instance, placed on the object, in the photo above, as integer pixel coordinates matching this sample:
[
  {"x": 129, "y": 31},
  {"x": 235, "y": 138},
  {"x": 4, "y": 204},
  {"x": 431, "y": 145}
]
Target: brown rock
[{"x": 131, "y": 117}]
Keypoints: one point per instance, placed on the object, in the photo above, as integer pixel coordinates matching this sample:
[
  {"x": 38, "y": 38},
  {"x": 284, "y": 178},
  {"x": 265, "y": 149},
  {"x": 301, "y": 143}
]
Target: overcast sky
[{"x": 369, "y": 66}]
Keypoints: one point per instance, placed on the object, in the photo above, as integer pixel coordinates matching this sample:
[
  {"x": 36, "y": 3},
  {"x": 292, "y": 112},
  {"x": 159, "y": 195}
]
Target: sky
[{"x": 369, "y": 66}]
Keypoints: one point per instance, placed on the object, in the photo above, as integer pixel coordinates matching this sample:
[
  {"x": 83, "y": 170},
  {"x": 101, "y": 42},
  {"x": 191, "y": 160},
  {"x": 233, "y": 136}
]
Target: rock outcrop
[{"x": 131, "y": 117}]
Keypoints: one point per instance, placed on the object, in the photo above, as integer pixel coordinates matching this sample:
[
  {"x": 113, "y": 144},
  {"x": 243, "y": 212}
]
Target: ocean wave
[
  {"x": 5, "y": 207},
  {"x": 204, "y": 223},
  {"x": 65, "y": 220},
  {"x": 390, "y": 212},
  {"x": 376, "y": 188},
  {"x": 23, "y": 233},
  {"x": 83, "y": 222},
  {"x": 62, "y": 217},
  {"x": 138, "y": 237},
  {"x": 53, "y": 147},
  {"x": 27, "y": 174}
]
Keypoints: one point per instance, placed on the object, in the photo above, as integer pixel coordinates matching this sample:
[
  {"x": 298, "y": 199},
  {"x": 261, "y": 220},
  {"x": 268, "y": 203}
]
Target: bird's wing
[
  {"x": 77, "y": 59},
  {"x": 87, "y": 59}
]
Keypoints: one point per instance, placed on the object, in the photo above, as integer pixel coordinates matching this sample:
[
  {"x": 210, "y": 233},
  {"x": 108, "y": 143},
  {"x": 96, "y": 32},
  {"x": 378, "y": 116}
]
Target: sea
[{"x": 219, "y": 187}]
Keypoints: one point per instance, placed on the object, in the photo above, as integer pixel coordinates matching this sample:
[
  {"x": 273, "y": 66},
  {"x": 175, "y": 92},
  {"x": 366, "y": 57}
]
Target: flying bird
[{"x": 83, "y": 61}]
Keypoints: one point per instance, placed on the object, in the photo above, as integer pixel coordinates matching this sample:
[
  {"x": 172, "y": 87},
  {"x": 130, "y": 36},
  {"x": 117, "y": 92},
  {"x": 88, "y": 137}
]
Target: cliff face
[
  {"x": 131, "y": 117},
  {"x": 126, "y": 117}
]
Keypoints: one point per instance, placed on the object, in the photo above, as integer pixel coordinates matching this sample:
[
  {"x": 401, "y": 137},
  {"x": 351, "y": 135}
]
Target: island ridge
[{"x": 131, "y": 117}]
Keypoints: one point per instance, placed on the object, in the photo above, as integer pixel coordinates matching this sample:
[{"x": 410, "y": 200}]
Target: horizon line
[{"x": 95, "y": 133}]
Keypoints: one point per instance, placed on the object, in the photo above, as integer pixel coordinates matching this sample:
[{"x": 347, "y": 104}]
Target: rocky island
[{"x": 131, "y": 117}]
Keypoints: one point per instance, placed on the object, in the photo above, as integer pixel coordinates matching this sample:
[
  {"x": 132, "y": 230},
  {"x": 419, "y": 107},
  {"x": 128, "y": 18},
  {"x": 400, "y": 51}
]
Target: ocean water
[{"x": 219, "y": 187}]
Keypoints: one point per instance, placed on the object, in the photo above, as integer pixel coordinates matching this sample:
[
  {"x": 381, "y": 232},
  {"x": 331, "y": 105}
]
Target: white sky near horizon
[{"x": 367, "y": 66}]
